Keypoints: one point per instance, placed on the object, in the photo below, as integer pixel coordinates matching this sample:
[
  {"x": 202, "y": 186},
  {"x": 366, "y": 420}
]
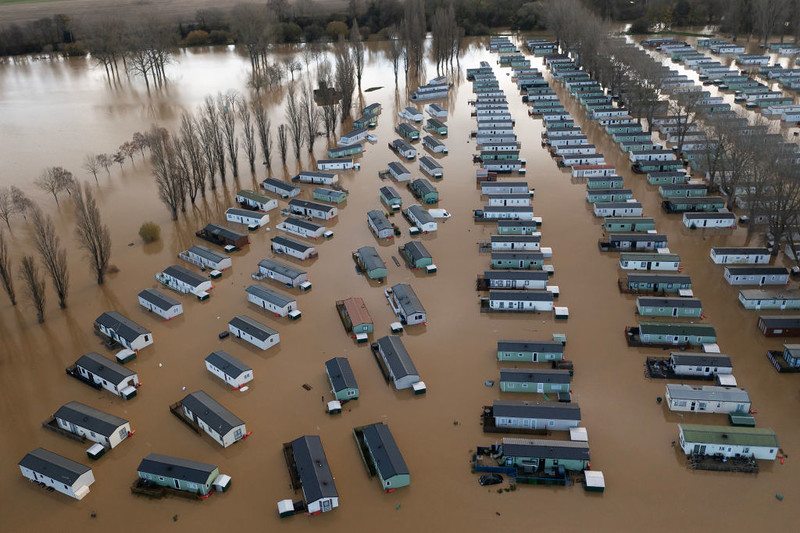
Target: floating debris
[
  {"x": 306, "y": 386},
  {"x": 779, "y": 496},
  {"x": 373, "y": 89},
  {"x": 396, "y": 507},
  {"x": 489, "y": 383}
]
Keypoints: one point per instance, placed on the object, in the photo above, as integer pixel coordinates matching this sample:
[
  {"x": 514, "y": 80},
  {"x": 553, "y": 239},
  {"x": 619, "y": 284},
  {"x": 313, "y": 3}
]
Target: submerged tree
[
  {"x": 92, "y": 165},
  {"x": 311, "y": 117},
  {"x": 55, "y": 180},
  {"x": 93, "y": 236},
  {"x": 35, "y": 285},
  {"x": 212, "y": 137},
  {"x": 228, "y": 103},
  {"x": 294, "y": 118},
  {"x": 282, "y": 142},
  {"x": 166, "y": 170},
  {"x": 357, "y": 52},
  {"x": 248, "y": 135},
  {"x": 414, "y": 32},
  {"x": 53, "y": 255},
  {"x": 345, "y": 78},
  {"x": 5, "y": 269},
  {"x": 264, "y": 126}
]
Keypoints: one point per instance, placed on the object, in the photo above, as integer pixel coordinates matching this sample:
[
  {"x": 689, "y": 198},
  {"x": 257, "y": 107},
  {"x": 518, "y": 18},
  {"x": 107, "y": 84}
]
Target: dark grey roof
[
  {"x": 227, "y": 363},
  {"x": 529, "y": 346},
  {"x": 527, "y": 296},
  {"x": 206, "y": 253},
  {"x": 550, "y": 410},
  {"x": 710, "y": 215},
  {"x": 515, "y": 238},
  {"x": 401, "y": 145},
  {"x": 707, "y": 393},
  {"x": 90, "y": 418},
  {"x": 421, "y": 214},
  {"x": 282, "y": 185},
  {"x": 389, "y": 193},
  {"x": 636, "y": 237},
  {"x": 370, "y": 258},
  {"x": 312, "y": 468},
  {"x": 223, "y": 232},
  {"x": 546, "y": 449},
  {"x": 684, "y": 303},
  {"x": 423, "y": 186},
  {"x": 534, "y": 375},
  {"x": 407, "y": 299},
  {"x": 682, "y": 186},
  {"x": 340, "y": 374},
  {"x": 184, "y": 275},
  {"x": 784, "y": 321},
  {"x": 315, "y": 174},
  {"x": 516, "y": 223},
  {"x": 508, "y": 208},
  {"x": 269, "y": 295},
  {"x": 516, "y": 274},
  {"x": 290, "y": 243},
  {"x": 159, "y": 299},
  {"x": 699, "y": 200},
  {"x": 416, "y": 250},
  {"x": 658, "y": 278},
  {"x": 305, "y": 204},
  {"x": 244, "y": 213},
  {"x": 385, "y": 454},
  {"x": 615, "y": 205},
  {"x": 122, "y": 326},
  {"x": 54, "y": 466},
  {"x": 281, "y": 268},
  {"x": 507, "y": 195},
  {"x": 379, "y": 220},
  {"x": 252, "y": 327},
  {"x": 329, "y": 192},
  {"x": 757, "y": 270},
  {"x": 397, "y": 358},
  {"x": 429, "y": 162},
  {"x": 503, "y": 184},
  {"x": 211, "y": 412},
  {"x": 743, "y": 250},
  {"x": 173, "y": 467},
  {"x": 305, "y": 224},
  {"x": 104, "y": 368},
  {"x": 397, "y": 168},
  {"x": 430, "y": 140},
  {"x": 405, "y": 127},
  {"x": 700, "y": 359}
]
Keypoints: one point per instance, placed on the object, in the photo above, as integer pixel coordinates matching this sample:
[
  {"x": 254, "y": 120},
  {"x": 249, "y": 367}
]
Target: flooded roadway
[{"x": 59, "y": 111}]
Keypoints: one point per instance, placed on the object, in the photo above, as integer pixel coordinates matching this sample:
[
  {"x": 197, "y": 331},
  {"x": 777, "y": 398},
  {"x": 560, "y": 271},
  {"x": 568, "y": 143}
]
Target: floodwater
[{"x": 53, "y": 113}]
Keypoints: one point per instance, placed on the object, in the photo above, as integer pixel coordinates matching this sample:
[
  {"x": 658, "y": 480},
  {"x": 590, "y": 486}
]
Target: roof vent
[{"x": 724, "y": 435}]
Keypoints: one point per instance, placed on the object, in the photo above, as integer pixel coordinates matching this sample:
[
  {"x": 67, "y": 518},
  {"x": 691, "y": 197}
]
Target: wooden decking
[
  {"x": 176, "y": 410},
  {"x": 381, "y": 363},
  {"x": 51, "y": 425},
  {"x": 358, "y": 434},
  {"x": 288, "y": 455},
  {"x": 776, "y": 358},
  {"x": 624, "y": 289},
  {"x": 717, "y": 464},
  {"x": 143, "y": 487},
  {"x": 72, "y": 370},
  {"x": 660, "y": 368},
  {"x": 487, "y": 420}
]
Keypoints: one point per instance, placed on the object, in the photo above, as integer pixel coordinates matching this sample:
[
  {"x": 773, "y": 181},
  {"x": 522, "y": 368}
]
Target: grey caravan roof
[
  {"x": 379, "y": 220},
  {"x": 90, "y": 418},
  {"x": 397, "y": 357},
  {"x": 122, "y": 326},
  {"x": 429, "y": 162},
  {"x": 533, "y": 375},
  {"x": 53, "y": 466},
  {"x": 529, "y": 346},
  {"x": 281, "y": 268},
  {"x": 159, "y": 299},
  {"x": 341, "y": 374},
  {"x": 421, "y": 214},
  {"x": 226, "y": 233},
  {"x": 423, "y": 186},
  {"x": 302, "y": 223},
  {"x": 290, "y": 243},
  {"x": 785, "y": 321},
  {"x": 227, "y": 363},
  {"x": 184, "y": 275},
  {"x": 397, "y": 168},
  {"x": 312, "y": 468},
  {"x": 525, "y": 296},
  {"x": 757, "y": 270},
  {"x": 416, "y": 250},
  {"x": 104, "y": 367},
  {"x": 707, "y": 393},
  {"x": 637, "y": 237},
  {"x": 174, "y": 467},
  {"x": 407, "y": 299},
  {"x": 270, "y": 295},
  {"x": 400, "y": 144},
  {"x": 369, "y": 256},
  {"x": 538, "y": 275},
  {"x": 211, "y": 412},
  {"x": 722, "y": 250},
  {"x": 282, "y": 185},
  {"x": 385, "y": 453},
  {"x": 701, "y": 359},
  {"x": 515, "y": 256},
  {"x": 658, "y": 278},
  {"x": 389, "y": 193},
  {"x": 316, "y": 174},
  {"x": 206, "y": 253},
  {"x": 682, "y": 303},
  {"x": 311, "y": 205},
  {"x": 244, "y": 213},
  {"x": 515, "y": 238},
  {"x": 252, "y": 327},
  {"x": 429, "y": 140},
  {"x": 551, "y": 410},
  {"x": 516, "y": 223},
  {"x": 546, "y": 449}
]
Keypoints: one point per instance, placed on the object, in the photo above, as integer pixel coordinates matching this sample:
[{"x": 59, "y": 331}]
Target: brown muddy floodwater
[{"x": 52, "y": 113}]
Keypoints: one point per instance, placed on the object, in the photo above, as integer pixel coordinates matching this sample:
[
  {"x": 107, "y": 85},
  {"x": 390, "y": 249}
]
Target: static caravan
[
  {"x": 282, "y": 273},
  {"x": 398, "y": 362},
  {"x": 390, "y": 197},
  {"x": 182, "y": 280},
  {"x": 222, "y": 236},
  {"x": 380, "y": 225},
  {"x": 424, "y": 191},
  {"x": 505, "y": 187},
  {"x": 407, "y": 131},
  {"x": 434, "y": 145},
  {"x": 370, "y": 263},
  {"x": 344, "y": 151},
  {"x": 709, "y": 220},
  {"x": 505, "y": 165},
  {"x": 608, "y": 195},
  {"x": 353, "y": 137},
  {"x": 509, "y": 212},
  {"x": 343, "y": 382},
  {"x": 617, "y": 209},
  {"x": 501, "y": 243},
  {"x": 329, "y": 195},
  {"x": 520, "y": 301},
  {"x": 674, "y": 333},
  {"x": 399, "y": 172},
  {"x": 383, "y": 455},
  {"x": 435, "y": 110},
  {"x": 634, "y": 241},
  {"x": 694, "y": 204},
  {"x": 517, "y": 260},
  {"x": 256, "y": 201},
  {"x": 411, "y": 113},
  {"x": 436, "y": 126},
  {"x": 510, "y": 199},
  {"x": 301, "y": 228},
  {"x": 779, "y": 325},
  {"x": 753, "y": 255},
  {"x": 604, "y": 182},
  {"x": 513, "y": 279},
  {"x": 688, "y": 189},
  {"x": 728, "y": 441},
  {"x": 281, "y": 188},
  {"x": 310, "y": 467},
  {"x": 403, "y": 149},
  {"x": 372, "y": 109},
  {"x": 416, "y": 255},
  {"x": 529, "y": 351},
  {"x": 629, "y": 224},
  {"x": 667, "y": 283},
  {"x": 532, "y": 455},
  {"x": 676, "y": 307},
  {"x": 653, "y": 261},
  {"x": 587, "y": 171},
  {"x": 222, "y": 425},
  {"x": 365, "y": 121},
  {"x": 313, "y": 209},
  {"x": 206, "y": 258},
  {"x": 355, "y": 317},
  {"x": 756, "y": 275},
  {"x": 229, "y": 369},
  {"x": 123, "y": 330},
  {"x": 251, "y": 219},
  {"x": 430, "y": 167},
  {"x": 518, "y": 227},
  {"x": 770, "y": 298},
  {"x": 707, "y": 399},
  {"x": 254, "y": 332},
  {"x": 575, "y": 160},
  {"x": 57, "y": 472},
  {"x": 551, "y": 416},
  {"x": 181, "y": 474},
  {"x": 98, "y": 370},
  {"x": 699, "y": 364},
  {"x": 419, "y": 217},
  {"x": 271, "y": 300},
  {"x": 318, "y": 178},
  {"x": 160, "y": 304},
  {"x": 406, "y": 305},
  {"x": 92, "y": 424}
]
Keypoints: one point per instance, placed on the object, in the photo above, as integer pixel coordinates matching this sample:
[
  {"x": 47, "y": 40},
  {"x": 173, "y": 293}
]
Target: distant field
[{"x": 22, "y": 11}]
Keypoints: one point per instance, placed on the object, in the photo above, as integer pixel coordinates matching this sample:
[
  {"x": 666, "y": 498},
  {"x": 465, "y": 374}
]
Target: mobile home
[
  {"x": 380, "y": 225},
  {"x": 529, "y": 351},
  {"x": 247, "y": 217},
  {"x": 676, "y": 307},
  {"x": 770, "y": 298},
  {"x": 728, "y": 441},
  {"x": 707, "y": 399},
  {"x": 92, "y": 424},
  {"x": 551, "y": 416},
  {"x": 742, "y": 255},
  {"x": 318, "y": 178},
  {"x": 282, "y": 273},
  {"x": 229, "y": 369},
  {"x": 756, "y": 275},
  {"x": 57, "y": 472},
  {"x": 222, "y": 425},
  {"x": 419, "y": 217},
  {"x": 383, "y": 454},
  {"x": 370, "y": 263},
  {"x": 301, "y": 228},
  {"x": 398, "y": 362},
  {"x": 520, "y": 301},
  {"x": 254, "y": 332},
  {"x": 206, "y": 258},
  {"x": 652, "y": 261},
  {"x": 123, "y": 330},
  {"x": 271, "y": 300},
  {"x": 291, "y": 247},
  {"x": 310, "y": 467},
  {"x": 343, "y": 382},
  {"x": 256, "y": 201},
  {"x": 281, "y": 188},
  {"x": 185, "y": 281},
  {"x": 99, "y": 370},
  {"x": 313, "y": 209},
  {"x": 406, "y": 305},
  {"x": 354, "y": 315},
  {"x": 709, "y": 220},
  {"x": 160, "y": 304},
  {"x": 176, "y": 473}
]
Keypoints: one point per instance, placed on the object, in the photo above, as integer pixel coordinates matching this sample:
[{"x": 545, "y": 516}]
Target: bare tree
[
  {"x": 165, "y": 170},
  {"x": 35, "y": 285},
  {"x": 311, "y": 117},
  {"x": 294, "y": 118},
  {"x": 93, "y": 236},
  {"x": 447, "y": 37},
  {"x": 118, "y": 158},
  {"x": 291, "y": 65},
  {"x": 248, "y": 135},
  {"x": 5, "y": 269},
  {"x": 227, "y": 104},
  {"x": 191, "y": 157},
  {"x": 55, "y": 180},
  {"x": 8, "y": 206},
  {"x": 414, "y": 32},
  {"x": 770, "y": 16},
  {"x": 255, "y": 27},
  {"x": 395, "y": 49},
  {"x": 345, "y": 78},
  {"x": 139, "y": 141},
  {"x": 358, "y": 51},
  {"x": 282, "y": 144},
  {"x": 264, "y": 126},
  {"x": 92, "y": 165},
  {"x": 105, "y": 161},
  {"x": 53, "y": 255}
]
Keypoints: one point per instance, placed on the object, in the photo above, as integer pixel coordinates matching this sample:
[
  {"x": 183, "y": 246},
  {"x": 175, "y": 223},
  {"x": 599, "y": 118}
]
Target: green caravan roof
[
  {"x": 676, "y": 328},
  {"x": 735, "y": 436}
]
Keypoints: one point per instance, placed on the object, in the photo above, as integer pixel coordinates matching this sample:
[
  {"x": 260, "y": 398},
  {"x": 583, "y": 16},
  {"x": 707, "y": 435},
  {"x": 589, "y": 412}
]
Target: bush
[
  {"x": 196, "y": 38},
  {"x": 641, "y": 25},
  {"x": 219, "y": 37},
  {"x": 150, "y": 232}
]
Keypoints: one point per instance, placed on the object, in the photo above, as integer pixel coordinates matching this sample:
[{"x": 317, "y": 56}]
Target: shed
[
  {"x": 310, "y": 466},
  {"x": 383, "y": 454},
  {"x": 529, "y": 351},
  {"x": 176, "y": 473},
  {"x": 380, "y": 225},
  {"x": 99, "y": 370},
  {"x": 57, "y": 472},
  {"x": 406, "y": 304},
  {"x": 184, "y": 280},
  {"x": 123, "y": 330},
  {"x": 398, "y": 362},
  {"x": 229, "y": 369},
  {"x": 160, "y": 304},
  {"x": 254, "y": 332},
  {"x": 281, "y": 272},
  {"x": 534, "y": 380},
  {"x": 343, "y": 381},
  {"x": 213, "y": 418},
  {"x": 92, "y": 424},
  {"x": 728, "y": 441},
  {"x": 552, "y": 416}
]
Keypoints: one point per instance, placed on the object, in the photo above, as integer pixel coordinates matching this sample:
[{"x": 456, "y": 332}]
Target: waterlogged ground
[{"x": 52, "y": 113}]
